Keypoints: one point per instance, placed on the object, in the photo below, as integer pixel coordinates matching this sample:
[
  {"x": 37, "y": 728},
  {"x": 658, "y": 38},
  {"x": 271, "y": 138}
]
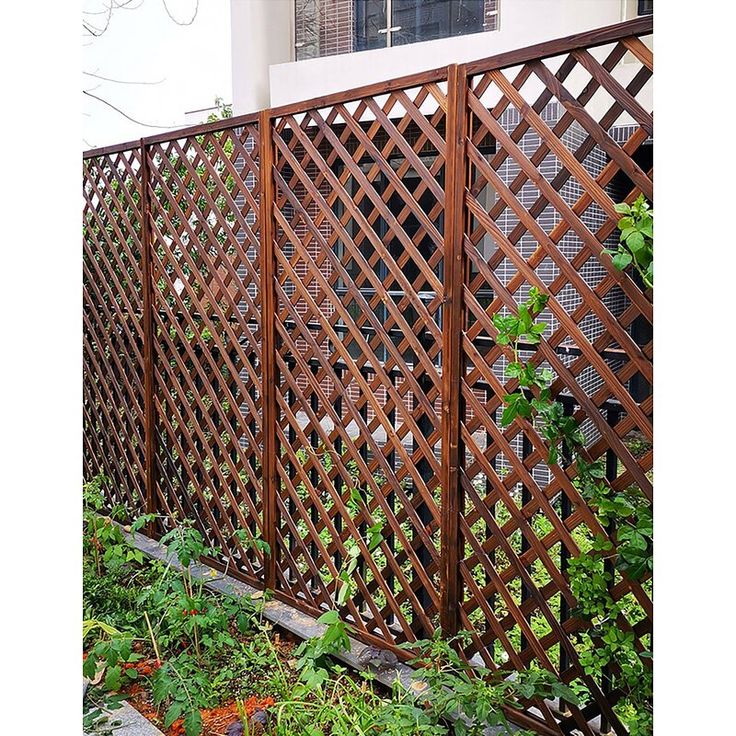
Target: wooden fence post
[
  {"x": 149, "y": 408},
  {"x": 452, "y": 362},
  {"x": 268, "y": 346}
]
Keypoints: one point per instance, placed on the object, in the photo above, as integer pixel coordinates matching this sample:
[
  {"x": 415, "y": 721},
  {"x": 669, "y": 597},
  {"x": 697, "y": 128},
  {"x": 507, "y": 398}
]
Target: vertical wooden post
[
  {"x": 149, "y": 408},
  {"x": 268, "y": 346},
  {"x": 452, "y": 362}
]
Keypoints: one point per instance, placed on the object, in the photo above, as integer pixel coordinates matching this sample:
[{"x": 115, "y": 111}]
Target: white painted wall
[
  {"x": 261, "y": 35},
  {"x": 521, "y": 23}
]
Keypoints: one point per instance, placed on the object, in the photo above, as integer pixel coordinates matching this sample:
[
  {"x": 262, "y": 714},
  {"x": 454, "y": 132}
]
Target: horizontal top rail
[
  {"x": 588, "y": 39},
  {"x": 200, "y": 129}
]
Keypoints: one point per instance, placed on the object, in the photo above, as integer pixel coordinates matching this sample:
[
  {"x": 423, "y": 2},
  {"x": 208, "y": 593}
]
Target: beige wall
[{"x": 261, "y": 35}]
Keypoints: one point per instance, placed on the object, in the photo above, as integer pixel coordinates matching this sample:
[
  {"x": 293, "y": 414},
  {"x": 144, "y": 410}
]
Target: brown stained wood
[
  {"x": 615, "y": 89},
  {"x": 367, "y": 271},
  {"x": 375, "y": 405},
  {"x": 368, "y": 90},
  {"x": 148, "y": 339},
  {"x": 112, "y": 329},
  {"x": 600, "y": 136},
  {"x": 288, "y": 330},
  {"x": 453, "y": 368},
  {"x": 270, "y": 420},
  {"x": 587, "y": 39},
  {"x": 642, "y": 52}
]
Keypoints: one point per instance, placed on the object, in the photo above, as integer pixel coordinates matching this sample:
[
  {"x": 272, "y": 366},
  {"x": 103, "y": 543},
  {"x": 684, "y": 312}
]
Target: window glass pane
[
  {"x": 370, "y": 18},
  {"x": 423, "y": 20},
  {"x": 306, "y": 29},
  {"x": 645, "y": 7},
  {"x": 466, "y": 16},
  {"x": 419, "y": 21}
]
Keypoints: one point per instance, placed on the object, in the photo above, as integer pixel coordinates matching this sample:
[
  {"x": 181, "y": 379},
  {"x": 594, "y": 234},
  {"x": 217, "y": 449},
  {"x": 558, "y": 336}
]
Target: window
[
  {"x": 326, "y": 27},
  {"x": 645, "y": 7},
  {"x": 380, "y": 23}
]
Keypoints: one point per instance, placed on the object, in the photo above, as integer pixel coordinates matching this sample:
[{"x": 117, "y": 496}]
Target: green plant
[
  {"x": 97, "y": 709},
  {"x": 556, "y": 426},
  {"x": 344, "y": 706},
  {"x": 606, "y": 650},
  {"x": 248, "y": 541},
  {"x": 636, "y": 240},
  {"x": 111, "y": 650},
  {"x": 187, "y": 543},
  {"x": 344, "y": 579},
  {"x": 314, "y": 663},
  {"x": 182, "y": 686},
  {"x": 475, "y": 697},
  {"x": 103, "y": 536}
]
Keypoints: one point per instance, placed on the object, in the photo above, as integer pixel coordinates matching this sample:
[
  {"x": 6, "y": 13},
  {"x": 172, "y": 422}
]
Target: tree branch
[
  {"x": 125, "y": 115},
  {"x": 120, "y": 81},
  {"x": 181, "y": 23}
]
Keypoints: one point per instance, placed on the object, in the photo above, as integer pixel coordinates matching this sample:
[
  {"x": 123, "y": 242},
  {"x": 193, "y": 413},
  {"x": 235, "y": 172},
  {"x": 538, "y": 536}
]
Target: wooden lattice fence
[{"x": 288, "y": 330}]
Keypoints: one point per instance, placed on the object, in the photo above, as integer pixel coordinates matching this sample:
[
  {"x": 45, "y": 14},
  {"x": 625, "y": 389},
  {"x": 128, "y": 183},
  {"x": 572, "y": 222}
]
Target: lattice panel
[
  {"x": 204, "y": 193},
  {"x": 487, "y": 178},
  {"x": 359, "y": 217},
  {"x": 113, "y": 333},
  {"x": 551, "y": 146}
]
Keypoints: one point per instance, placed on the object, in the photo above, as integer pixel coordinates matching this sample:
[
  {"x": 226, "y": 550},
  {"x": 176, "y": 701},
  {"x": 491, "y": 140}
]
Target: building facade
[{"x": 289, "y": 50}]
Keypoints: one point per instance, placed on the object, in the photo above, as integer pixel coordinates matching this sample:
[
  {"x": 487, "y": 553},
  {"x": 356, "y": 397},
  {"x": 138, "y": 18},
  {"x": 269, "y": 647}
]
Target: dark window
[
  {"x": 645, "y": 7},
  {"x": 380, "y": 23},
  {"x": 370, "y": 24},
  {"x": 417, "y": 20}
]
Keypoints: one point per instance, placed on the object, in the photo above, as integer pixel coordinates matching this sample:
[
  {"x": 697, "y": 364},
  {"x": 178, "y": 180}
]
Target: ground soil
[{"x": 215, "y": 720}]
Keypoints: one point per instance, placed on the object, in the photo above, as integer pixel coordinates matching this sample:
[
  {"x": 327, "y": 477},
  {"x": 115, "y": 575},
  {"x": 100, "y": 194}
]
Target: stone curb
[{"x": 132, "y": 723}]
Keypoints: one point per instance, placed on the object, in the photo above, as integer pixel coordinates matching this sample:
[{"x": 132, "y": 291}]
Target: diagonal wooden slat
[{"x": 288, "y": 331}]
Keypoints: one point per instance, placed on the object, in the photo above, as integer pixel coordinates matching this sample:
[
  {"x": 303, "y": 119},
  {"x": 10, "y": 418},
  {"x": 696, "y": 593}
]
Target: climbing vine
[
  {"x": 636, "y": 240},
  {"x": 608, "y": 648}
]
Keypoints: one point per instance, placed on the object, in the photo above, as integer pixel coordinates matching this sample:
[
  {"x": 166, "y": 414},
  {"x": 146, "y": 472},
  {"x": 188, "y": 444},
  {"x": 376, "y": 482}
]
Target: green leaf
[
  {"x": 329, "y": 617},
  {"x": 514, "y": 370},
  {"x": 173, "y": 712},
  {"x": 263, "y": 546},
  {"x": 622, "y": 260},
  {"x": 89, "y": 666},
  {"x": 193, "y": 723},
  {"x": 623, "y": 208},
  {"x": 563, "y": 692},
  {"x": 343, "y": 593},
  {"x": 112, "y": 678},
  {"x": 635, "y": 242}
]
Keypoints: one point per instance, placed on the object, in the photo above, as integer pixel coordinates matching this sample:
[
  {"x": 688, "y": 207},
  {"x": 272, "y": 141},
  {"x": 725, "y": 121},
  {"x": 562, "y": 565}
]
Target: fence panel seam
[
  {"x": 268, "y": 328},
  {"x": 148, "y": 337},
  {"x": 451, "y": 494}
]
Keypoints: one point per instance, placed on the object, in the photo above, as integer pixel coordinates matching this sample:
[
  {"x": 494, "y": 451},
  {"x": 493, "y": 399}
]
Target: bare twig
[
  {"x": 178, "y": 22},
  {"x": 120, "y": 81},
  {"x": 125, "y": 115}
]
